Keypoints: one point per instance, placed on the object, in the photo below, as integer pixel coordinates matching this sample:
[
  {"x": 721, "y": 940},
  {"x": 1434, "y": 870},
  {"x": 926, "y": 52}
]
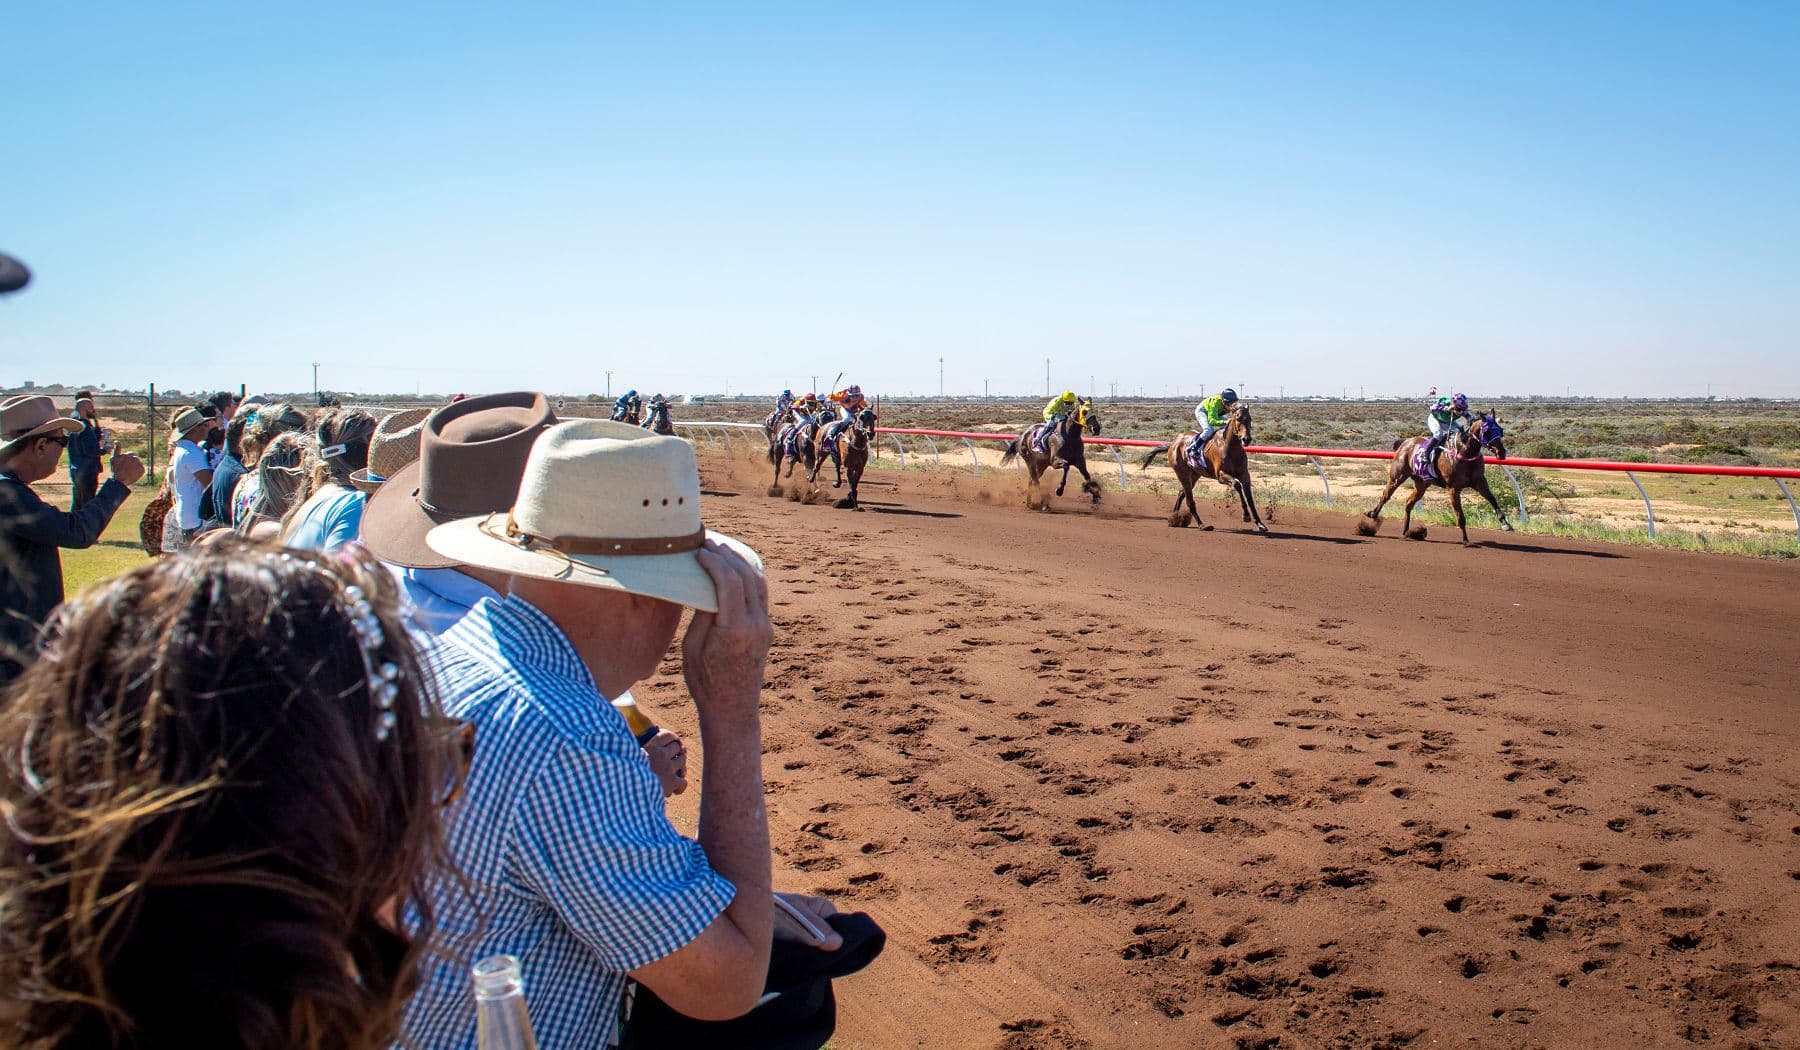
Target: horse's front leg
[
  {"x": 1480, "y": 485},
  {"x": 1065, "y": 479},
  {"x": 1249, "y": 498},
  {"x": 1394, "y": 480}
]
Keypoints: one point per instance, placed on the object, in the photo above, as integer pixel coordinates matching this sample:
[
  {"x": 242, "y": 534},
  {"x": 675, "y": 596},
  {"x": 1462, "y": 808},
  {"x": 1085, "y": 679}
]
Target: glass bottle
[
  {"x": 641, "y": 726},
  {"x": 501, "y": 1020}
]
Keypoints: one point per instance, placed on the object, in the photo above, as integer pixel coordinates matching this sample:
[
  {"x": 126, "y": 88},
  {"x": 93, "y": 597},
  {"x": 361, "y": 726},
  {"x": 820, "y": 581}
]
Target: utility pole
[
  {"x": 815, "y": 385},
  {"x": 1282, "y": 396},
  {"x": 940, "y": 379},
  {"x": 315, "y": 365},
  {"x": 984, "y": 390},
  {"x": 609, "y": 384},
  {"x": 1046, "y": 377},
  {"x": 1090, "y": 386}
]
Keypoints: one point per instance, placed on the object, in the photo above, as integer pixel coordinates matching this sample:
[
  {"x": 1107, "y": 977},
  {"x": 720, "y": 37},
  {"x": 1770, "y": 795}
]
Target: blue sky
[{"x": 1505, "y": 198}]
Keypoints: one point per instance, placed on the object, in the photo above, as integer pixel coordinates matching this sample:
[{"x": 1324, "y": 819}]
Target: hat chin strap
[{"x": 626, "y": 546}]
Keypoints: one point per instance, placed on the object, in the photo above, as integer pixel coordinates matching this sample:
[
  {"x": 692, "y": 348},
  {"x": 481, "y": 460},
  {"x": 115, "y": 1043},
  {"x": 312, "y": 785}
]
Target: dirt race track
[{"x": 1109, "y": 783}]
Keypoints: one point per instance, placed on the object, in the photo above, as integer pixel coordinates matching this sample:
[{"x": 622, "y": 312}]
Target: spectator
[
  {"x": 32, "y": 437},
  {"x": 283, "y": 473},
  {"x": 471, "y": 456},
  {"x": 226, "y": 475},
  {"x": 224, "y": 405},
  {"x": 602, "y": 549},
  {"x": 85, "y": 450},
  {"x": 273, "y": 773},
  {"x": 333, "y": 509},
  {"x": 263, "y": 423},
  {"x": 188, "y": 475},
  {"x": 395, "y": 444}
]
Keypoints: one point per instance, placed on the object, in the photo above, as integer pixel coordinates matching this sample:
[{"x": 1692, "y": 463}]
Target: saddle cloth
[
  {"x": 1422, "y": 466},
  {"x": 1196, "y": 454}
]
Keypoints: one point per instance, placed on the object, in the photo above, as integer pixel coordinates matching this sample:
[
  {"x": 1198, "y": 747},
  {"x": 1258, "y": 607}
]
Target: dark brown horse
[
  {"x": 658, "y": 421},
  {"x": 1063, "y": 449},
  {"x": 848, "y": 447},
  {"x": 1223, "y": 459},
  {"x": 632, "y": 413},
  {"x": 795, "y": 443},
  {"x": 1458, "y": 465}
]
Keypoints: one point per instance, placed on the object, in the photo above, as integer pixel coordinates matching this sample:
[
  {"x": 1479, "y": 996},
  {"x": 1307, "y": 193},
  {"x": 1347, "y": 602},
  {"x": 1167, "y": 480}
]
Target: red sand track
[{"x": 1105, "y": 782}]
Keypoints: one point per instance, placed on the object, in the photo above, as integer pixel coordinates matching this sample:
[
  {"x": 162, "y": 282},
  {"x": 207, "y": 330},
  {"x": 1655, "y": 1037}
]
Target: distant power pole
[
  {"x": 940, "y": 378},
  {"x": 984, "y": 390},
  {"x": 315, "y": 365},
  {"x": 609, "y": 382},
  {"x": 1046, "y": 377},
  {"x": 1090, "y": 386}
]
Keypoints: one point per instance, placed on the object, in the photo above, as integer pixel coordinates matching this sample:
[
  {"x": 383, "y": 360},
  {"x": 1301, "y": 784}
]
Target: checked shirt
[{"x": 561, "y": 831}]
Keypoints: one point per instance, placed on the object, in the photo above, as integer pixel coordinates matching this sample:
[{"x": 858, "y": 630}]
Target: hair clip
[{"x": 382, "y": 677}]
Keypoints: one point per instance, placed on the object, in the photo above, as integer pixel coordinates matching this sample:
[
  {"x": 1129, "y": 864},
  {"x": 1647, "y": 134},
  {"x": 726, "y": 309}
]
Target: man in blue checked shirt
[{"x": 560, "y": 831}]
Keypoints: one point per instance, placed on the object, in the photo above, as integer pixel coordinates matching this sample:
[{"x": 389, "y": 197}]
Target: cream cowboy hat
[
  {"x": 601, "y": 504},
  {"x": 30, "y": 416},
  {"x": 394, "y": 444}
]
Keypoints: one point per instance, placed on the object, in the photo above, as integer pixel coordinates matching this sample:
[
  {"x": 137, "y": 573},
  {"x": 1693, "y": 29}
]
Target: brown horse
[
  {"x": 658, "y": 422},
  {"x": 1063, "y": 449},
  {"x": 1223, "y": 459},
  {"x": 632, "y": 414},
  {"x": 1458, "y": 465},
  {"x": 848, "y": 447},
  {"x": 795, "y": 443}
]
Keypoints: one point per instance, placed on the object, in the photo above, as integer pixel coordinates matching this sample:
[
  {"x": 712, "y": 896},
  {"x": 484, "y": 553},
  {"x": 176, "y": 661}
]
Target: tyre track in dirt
[{"x": 1107, "y": 782}]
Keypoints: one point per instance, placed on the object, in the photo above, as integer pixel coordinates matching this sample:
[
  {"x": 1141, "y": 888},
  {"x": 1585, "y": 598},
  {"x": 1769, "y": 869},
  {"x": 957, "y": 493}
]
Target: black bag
[{"x": 801, "y": 1016}]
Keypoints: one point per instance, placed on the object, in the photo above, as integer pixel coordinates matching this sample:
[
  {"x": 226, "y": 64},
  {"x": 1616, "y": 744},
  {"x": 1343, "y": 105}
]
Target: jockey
[
  {"x": 657, "y": 404},
  {"x": 808, "y": 405},
  {"x": 851, "y": 399},
  {"x": 1212, "y": 413},
  {"x": 783, "y": 403},
  {"x": 622, "y": 407},
  {"x": 1060, "y": 406},
  {"x": 1447, "y": 416}
]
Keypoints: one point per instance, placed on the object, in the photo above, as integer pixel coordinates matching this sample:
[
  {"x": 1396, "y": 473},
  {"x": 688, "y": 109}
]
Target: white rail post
[
  {"x": 1782, "y": 485},
  {"x": 1323, "y": 480},
  {"x": 1114, "y": 449},
  {"x": 1649, "y": 514},
  {"x": 975, "y": 463},
  {"x": 935, "y": 458},
  {"x": 1518, "y": 493},
  {"x": 898, "y": 447}
]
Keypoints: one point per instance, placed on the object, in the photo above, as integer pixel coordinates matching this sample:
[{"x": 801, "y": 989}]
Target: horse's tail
[
  {"x": 1150, "y": 456},
  {"x": 1012, "y": 452}
]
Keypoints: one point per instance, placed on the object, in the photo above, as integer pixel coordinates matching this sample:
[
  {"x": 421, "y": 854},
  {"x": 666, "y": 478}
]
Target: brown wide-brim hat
[
  {"x": 394, "y": 445},
  {"x": 29, "y": 416},
  {"x": 471, "y": 456}
]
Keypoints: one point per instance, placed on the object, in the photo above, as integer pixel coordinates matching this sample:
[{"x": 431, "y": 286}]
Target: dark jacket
[
  {"x": 31, "y": 579},
  {"x": 225, "y": 479},
  {"x": 84, "y": 448}
]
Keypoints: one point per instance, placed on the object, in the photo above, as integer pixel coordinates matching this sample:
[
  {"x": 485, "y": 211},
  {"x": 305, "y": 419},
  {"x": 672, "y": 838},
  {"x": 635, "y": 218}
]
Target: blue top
[
  {"x": 437, "y": 598},
  {"x": 329, "y": 520},
  {"x": 562, "y": 834},
  {"x": 84, "y": 448},
  {"x": 225, "y": 479}
]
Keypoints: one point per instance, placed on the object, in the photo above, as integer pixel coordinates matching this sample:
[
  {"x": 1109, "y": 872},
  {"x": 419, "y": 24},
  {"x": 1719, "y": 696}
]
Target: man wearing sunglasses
[{"x": 32, "y": 438}]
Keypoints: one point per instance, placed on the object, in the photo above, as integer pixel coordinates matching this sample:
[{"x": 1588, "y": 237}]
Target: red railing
[
  {"x": 1779, "y": 475},
  {"x": 1722, "y": 470}
]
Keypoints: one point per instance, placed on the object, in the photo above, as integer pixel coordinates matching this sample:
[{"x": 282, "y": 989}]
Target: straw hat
[
  {"x": 394, "y": 445},
  {"x": 601, "y": 504},
  {"x": 187, "y": 419},
  {"x": 29, "y": 416}
]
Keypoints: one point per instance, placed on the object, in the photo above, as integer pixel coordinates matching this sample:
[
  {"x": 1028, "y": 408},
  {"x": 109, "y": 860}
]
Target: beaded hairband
[{"x": 383, "y": 678}]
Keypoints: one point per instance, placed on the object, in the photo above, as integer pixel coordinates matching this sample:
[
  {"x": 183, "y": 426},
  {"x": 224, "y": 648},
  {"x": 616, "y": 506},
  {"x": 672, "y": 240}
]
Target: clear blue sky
[{"x": 1516, "y": 197}]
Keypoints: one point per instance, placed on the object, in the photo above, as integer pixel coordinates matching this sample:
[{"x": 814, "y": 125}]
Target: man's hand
[
  {"x": 817, "y": 909},
  {"x": 723, "y": 654},
  {"x": 127, "y": 469},
  {"x": 668, "y": 760}
]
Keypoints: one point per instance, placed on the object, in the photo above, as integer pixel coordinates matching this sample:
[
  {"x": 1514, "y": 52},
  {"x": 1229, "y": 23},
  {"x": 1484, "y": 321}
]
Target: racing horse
[
  {"x": 1062, "y": 449},
  {"x": 632, "y": 413},
  {"x": 1223, "y": 459},
  {"x": 1458, "y": 465},
  {"x": 797, "y": 444},
  {"x": 846, "y": 442},
  {"x": 658, "y": 421}
]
